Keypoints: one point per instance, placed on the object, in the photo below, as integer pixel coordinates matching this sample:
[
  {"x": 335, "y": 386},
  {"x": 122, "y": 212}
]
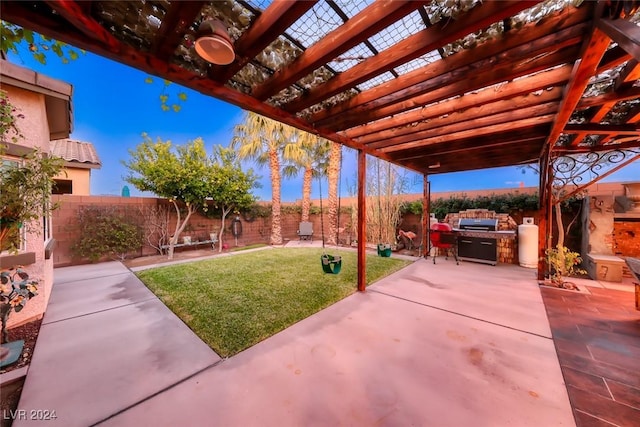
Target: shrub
[
  {"x": 562, "y": 262},
  {"x": 105, "y": 231}
]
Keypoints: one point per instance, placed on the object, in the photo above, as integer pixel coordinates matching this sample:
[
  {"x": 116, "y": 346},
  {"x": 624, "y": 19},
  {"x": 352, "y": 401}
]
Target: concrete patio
[{"x": 431, "y": 344}]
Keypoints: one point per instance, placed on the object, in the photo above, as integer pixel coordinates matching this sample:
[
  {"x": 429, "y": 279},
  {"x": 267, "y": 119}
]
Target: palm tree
[
  {"x": 333, "y": 175},
  {"x": 262, "y": 139},
  {"x": 310, "y": 156}
]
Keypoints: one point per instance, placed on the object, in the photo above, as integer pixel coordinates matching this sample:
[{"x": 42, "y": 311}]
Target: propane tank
[{"x": 528, "y": 243}]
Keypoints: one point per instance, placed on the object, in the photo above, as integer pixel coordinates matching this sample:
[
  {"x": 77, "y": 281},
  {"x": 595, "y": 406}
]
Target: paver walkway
[
  {"x": 432, "y": 344},
  {"x": 597, "y": 336}
]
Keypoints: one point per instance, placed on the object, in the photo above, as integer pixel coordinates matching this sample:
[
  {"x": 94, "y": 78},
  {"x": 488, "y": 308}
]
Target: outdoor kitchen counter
[{"x": 506, "y": 234}]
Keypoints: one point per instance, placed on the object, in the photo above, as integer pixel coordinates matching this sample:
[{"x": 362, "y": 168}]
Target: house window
[
  {"x": 16, "y": 237},
  {"x": 11, "y": 237},
  {"x": 63, "y": 186}
]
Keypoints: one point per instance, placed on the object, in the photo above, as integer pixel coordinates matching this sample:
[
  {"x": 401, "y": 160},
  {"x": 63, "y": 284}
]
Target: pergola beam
[
  {"x": 603, "y": 129},
  {"x": 482, "y": 111},
  {"x": 109, "y": 47},
  {"x": 480, "y": 131},
  {"x": 410, "y": 48},
  {"x": 480, "y": 80},
  {"x": 479, "y": 126},
  {"x": 569, "y": 28},
  {"x": 555, "y": 77},
  {"x": 368, "y": 22},
  {"x": 82, "y": 22},
  {"x": 264, "y": 30},
  {"x": 625, "y": 33},
  {"x": 175, "y": 23}
]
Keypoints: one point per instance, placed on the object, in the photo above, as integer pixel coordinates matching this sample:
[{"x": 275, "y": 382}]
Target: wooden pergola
[{"x": 432, "y": 86}]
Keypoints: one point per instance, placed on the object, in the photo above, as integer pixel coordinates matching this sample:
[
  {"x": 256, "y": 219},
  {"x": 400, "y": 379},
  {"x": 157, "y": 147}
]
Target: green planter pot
[{"x": 384, "y": 250}]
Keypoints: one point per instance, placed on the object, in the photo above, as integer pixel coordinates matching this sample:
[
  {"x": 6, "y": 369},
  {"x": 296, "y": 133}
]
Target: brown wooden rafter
[
  {"x": 465, "y": 115},
  {"x": 482, "y": 124},
  {"x": 410, "y": 48},
  {"x": 110, "y": 47},
  {"x": 265, "y": 29},
  {"x": 458, "y": 86},
  {"x": 629, "y": 74},
  {"x": 512, "y": 126},
  {"x": 625, "y": 33},
  {"x": 523, "y": 86},
  {"x": 569, "y": 29},
  {"x": 370, "y": 21},
  {"x": 462, "y": 108},
  {"x": 173, "y": 27}
]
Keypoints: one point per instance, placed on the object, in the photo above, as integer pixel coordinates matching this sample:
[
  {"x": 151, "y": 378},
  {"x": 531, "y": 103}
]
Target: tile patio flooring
[{"x": 597, "y": 337}]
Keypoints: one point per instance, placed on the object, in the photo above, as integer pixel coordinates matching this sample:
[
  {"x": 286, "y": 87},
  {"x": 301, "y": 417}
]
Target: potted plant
[
  {"x": 384, "y": 249},
  {"x": 16, "y": 289}
]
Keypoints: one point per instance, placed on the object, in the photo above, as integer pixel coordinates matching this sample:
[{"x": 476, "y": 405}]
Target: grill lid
[{"x": 480, "y": 224}]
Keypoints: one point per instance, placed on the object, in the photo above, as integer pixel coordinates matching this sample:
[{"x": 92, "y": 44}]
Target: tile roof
[{"x": 75, "y": 151}]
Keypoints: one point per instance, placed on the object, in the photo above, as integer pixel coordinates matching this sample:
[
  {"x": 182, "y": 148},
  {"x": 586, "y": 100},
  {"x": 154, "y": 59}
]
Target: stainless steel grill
[{"x": 472, "y": 245}]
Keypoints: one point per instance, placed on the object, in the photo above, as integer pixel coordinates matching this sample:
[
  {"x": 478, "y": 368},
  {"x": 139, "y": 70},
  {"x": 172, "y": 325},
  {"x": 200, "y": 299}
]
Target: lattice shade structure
[{"x": 463, "y": 84}]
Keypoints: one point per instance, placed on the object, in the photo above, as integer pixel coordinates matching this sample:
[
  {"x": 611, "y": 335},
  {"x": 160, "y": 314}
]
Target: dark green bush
[
  {"x": 501, "y": 203},
  {"x": 106, "y": 231}
]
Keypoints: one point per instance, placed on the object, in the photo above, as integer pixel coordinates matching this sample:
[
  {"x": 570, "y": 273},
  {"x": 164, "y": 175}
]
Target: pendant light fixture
[{"x": 213, "y": 43}]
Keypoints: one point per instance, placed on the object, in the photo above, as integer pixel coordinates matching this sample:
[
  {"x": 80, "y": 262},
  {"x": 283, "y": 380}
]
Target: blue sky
[{"x": 113, "y": 106}]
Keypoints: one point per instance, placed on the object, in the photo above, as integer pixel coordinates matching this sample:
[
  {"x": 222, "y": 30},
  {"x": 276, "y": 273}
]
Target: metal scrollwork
[{"x": 577, "y": 169}]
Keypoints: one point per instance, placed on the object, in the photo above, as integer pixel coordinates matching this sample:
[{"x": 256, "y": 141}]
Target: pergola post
[
  {"x": 544, "y": 213},
  {"x": 362, "y": 221},
  {"x": 425, "y": 215}
]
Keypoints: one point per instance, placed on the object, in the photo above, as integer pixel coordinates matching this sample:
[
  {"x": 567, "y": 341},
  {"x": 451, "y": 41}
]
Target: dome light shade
[{"x": 213, "y": 44}]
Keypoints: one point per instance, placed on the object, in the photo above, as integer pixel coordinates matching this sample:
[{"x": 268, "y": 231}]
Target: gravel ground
[{"x": 10, "y": 394}]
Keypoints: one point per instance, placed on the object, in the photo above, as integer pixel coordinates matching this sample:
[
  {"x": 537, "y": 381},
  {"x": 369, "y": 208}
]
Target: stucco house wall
[
  {"x": 30, "y": 93},
  {"x": 79, "y": 158},
  {"x": 81, "y": 179}
]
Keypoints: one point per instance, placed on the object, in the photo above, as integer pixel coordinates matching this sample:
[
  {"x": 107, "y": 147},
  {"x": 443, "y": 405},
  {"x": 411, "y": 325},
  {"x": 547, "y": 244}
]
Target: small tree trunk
[
  {"x": 225, "y": 212},
  {"x": 558, "y": 213},
  {"x": 179, "y": 226}
]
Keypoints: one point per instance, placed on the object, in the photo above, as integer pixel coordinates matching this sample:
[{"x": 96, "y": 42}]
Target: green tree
[
  {"x": 310, "y": 157},
  {"x": 183, "y": 174},
  {"x": 231, "y": 186},
  {"x": 263, "y": 140},
  {"x": 13, "y": 37}
]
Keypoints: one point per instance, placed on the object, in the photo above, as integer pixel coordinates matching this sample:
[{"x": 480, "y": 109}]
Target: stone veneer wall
[
  {"x": 626, "y": 238},
  {"x": 507, "y": 248}
]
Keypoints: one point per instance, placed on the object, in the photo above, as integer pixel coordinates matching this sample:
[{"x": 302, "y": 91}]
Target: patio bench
[{"x": 193, "y": 244}]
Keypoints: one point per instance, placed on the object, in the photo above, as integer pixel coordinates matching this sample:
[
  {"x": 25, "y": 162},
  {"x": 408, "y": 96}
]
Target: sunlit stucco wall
[
  {"x": 35, "y": 129},
  {"x": 81, "y": 179}
]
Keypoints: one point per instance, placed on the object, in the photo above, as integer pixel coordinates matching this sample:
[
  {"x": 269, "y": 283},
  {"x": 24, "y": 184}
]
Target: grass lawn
[{"x": 234, "y": 302}]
